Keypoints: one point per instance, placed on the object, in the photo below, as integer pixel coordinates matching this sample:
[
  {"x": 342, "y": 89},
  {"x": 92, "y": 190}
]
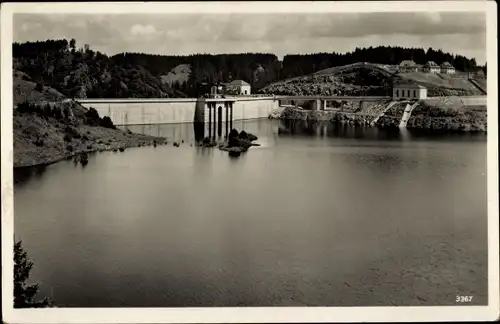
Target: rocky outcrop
[
  {"x": 423, "y": 117},
  {"x": 447, "y": 123},
  {"x": 276, "y": 113},
  {"x": 236, "y": 143},
  {"x": 360, "y": 81},
  {"x": 448, "y": 116},
  {"x": 290, "y": 113},
  {"x": 388, "y": 122}
]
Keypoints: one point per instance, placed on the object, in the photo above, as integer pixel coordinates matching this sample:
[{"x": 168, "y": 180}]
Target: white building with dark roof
[
  {"x": 447, "y": 68},
  {"x": 239, "y": 87},
  {"x": 408, "y": 66},
  {"x": 409, "y": 91},
  {"x": 431, "y": 67}
]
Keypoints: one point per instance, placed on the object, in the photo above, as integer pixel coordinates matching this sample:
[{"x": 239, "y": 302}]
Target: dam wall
[
  {"x": 253, "y": 108},
  {"x": 144, "y": 111},
  {"x": 170, "y": 111}
]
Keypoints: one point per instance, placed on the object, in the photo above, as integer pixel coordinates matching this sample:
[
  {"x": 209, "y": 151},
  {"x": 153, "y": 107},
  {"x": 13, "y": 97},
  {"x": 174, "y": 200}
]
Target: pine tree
[
  {"x": 72, "y": 45},
  {"x": 24, "y": 294}
]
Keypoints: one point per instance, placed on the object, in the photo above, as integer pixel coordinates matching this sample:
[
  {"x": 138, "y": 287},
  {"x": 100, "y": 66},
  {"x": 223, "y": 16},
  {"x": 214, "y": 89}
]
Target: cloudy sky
[{"x": 460, "y": 33}]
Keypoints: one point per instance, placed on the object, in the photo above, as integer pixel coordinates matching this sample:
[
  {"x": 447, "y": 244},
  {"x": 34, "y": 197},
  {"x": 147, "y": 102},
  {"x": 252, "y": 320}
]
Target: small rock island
[{"x": 237, "y": 142}]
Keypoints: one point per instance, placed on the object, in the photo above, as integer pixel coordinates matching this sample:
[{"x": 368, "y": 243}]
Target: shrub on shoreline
[
  {"x": 92, "y": 118},
  {"x": 107, "y": 123}
]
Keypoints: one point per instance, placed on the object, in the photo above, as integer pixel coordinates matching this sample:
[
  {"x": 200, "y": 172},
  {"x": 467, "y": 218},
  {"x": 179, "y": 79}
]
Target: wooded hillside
[{"x": 80, "y": 72}]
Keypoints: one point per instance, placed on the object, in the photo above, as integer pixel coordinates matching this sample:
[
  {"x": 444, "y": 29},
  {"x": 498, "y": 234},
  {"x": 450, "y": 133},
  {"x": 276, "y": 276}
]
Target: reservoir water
[{"x": 317, "y": 216}]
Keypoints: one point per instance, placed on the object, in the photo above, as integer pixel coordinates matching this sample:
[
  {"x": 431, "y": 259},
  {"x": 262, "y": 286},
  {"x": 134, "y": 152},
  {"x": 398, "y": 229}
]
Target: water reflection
[
  {"x": 324, "y": 129},
  {"x": 191, "y": 132},
  {"x": 24, "y": 175},
  {"x": 199, "y": 131}
]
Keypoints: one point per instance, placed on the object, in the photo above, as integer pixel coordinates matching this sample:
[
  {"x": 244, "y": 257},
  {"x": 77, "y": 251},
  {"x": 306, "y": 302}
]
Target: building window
[
  {"x": 397, "y": 93},
  {"x": 415, "y": 93}
]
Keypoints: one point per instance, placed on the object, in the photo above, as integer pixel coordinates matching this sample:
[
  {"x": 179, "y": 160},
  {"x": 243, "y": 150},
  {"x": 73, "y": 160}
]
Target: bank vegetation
[{"x": 48, "y": 127}]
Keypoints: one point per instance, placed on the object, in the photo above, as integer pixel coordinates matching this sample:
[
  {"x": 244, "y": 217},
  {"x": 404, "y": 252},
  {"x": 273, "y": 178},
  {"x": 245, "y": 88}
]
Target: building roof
[
  {"x": 238, "y": 83},
  {"x": 431, "y": 64},
  {"x": 409, "y": 86},
  {"x": 447, "y": 65},
  {"x": 407, "y": 63}
]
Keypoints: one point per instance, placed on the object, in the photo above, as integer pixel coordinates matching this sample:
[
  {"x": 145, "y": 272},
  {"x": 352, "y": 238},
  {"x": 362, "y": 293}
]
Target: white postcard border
[{"x": 247, "y": 314}]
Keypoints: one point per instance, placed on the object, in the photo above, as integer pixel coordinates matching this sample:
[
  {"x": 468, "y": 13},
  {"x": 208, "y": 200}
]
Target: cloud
[
  {"x": 434, "y": 17},
  {"x": 271, "y": 27},
  {"x": 458, "y": 32},
  {"x": 29, "y": 26},
  {"x": 141, "y": 30}
]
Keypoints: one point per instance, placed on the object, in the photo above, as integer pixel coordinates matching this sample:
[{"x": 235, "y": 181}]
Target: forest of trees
[
  {"x": 81, "y": 72},
  {"x": 84, "y": 73},
  {"x": 255, "y": 68}
]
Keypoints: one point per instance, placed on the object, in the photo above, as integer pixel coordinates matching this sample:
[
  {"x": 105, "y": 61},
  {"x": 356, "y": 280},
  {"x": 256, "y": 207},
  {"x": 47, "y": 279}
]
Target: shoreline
[
  {"x": 41, "y": 141},
  {"x": 68, "y": 156},
  {"x": 420, "y": 120}
]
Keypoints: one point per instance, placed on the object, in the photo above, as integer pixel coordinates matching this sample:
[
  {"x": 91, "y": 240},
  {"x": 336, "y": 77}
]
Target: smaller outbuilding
[
  {"x": 238, "y": 87},
  {"x": 409, "y": 91}
]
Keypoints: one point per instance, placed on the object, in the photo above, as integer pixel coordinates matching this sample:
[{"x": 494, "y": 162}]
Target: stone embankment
[
  {"x": 291, "y": 113},
  {"x": 424, "y": 116}
]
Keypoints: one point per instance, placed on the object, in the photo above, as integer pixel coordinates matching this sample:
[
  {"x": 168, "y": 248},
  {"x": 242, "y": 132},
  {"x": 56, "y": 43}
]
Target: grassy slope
[
  {"x": 332, "y": 80},
  {"x": 24, "y": 90},
  {"x": 482, "y": 83},
  {"x": 178, "y": 74},
  {"x": 443, "y": 83},
  {"x": 40, "y": 140}
]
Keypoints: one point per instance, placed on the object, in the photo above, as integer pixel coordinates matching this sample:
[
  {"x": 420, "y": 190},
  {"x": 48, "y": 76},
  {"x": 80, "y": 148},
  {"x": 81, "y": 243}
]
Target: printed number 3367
[{"x": 463, "y": 299}]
